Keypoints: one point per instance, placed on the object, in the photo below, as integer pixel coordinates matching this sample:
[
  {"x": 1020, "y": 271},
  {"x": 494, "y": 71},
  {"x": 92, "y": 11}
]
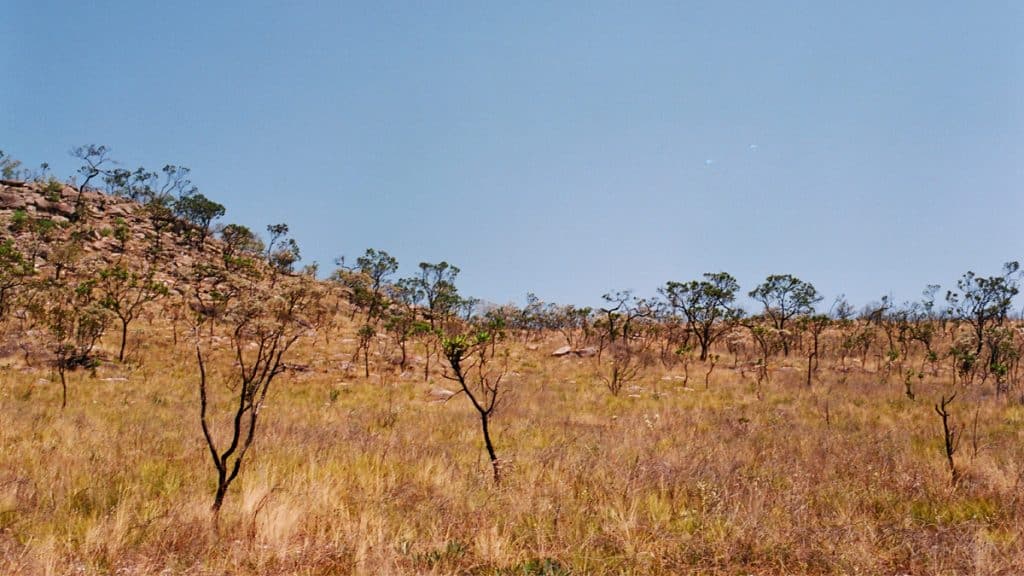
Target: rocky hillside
[{"x": 42, "y": 221}]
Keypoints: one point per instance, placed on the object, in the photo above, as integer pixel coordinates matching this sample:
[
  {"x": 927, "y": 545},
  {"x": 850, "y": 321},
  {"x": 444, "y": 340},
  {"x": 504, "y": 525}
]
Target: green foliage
[
  {"x": 708, "y": 306},
  {"x": 240, "y": 242},
  {"x": 282, "y": 252},
  {"x": 785, "y": 296},
  {"x": 434, "y": 286},
  {"x": 20, "y": 221},
  {"x": 199, "y": 211},
  {"x": 121, "y": 232},
  {"x": 984, "y": 301},
  {"x": 137, "y": 186},
  {"x": 75, "y": 321},
  {"x": 366, "y": 283},
  {"x": 15, "y": 270},
  {"x": 52, "y": 189}
]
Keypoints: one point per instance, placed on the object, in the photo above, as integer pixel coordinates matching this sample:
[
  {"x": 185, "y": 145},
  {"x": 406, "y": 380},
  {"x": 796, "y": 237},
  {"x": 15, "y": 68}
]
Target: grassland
[{"x": 354, "y": 475}]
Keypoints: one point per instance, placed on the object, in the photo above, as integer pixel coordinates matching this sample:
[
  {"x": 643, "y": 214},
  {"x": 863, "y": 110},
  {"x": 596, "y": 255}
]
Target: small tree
[
  {"x": 365, "y": 334},
  {"x": 75, "y": 322},
  {"x": 435, "y": 285},
  {"x": 378, "y": 266},
  {"x": 622, "y": 310},
  {"x": 200, "y": 212},
  {"x": 950, "y": 435},
  {"x": 263, "y": 328},
  {"x": 625, "y": 368},
  {"x": 366, "y": 282},
  {"x": 767, "y": 338},
  {"x": 124, "y": 293},
  {"x": 815, "y": 325},
  {"x": 708, "y": 305},
  {"x": 984, "y": 301},
  {"x": 94, "y": 158},
  {"x": 136, "y": 186},
  {"x": 242, "y": 247},
  {"x": 282, "y": 252},
  {"x": 470, "y": 363},
  {"x": 785, "y": 296}
]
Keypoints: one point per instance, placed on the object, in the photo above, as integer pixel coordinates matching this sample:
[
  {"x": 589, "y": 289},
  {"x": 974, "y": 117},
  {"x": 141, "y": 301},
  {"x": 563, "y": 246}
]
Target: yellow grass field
[{"x": 355, "y": 475}]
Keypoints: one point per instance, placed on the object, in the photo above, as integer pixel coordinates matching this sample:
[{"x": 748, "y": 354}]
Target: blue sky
[{"x": 562, "y": 148}]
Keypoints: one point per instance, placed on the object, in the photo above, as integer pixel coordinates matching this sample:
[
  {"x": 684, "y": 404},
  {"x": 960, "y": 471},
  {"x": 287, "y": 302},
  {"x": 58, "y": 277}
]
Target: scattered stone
[
  {"x": 581, "y": 352},
  {"x": 440, "y": 394}
]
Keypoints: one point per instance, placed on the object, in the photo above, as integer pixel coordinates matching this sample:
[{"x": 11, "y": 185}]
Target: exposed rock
[
  {"x": 57, "y": 207},
  {"x": 118, "y": 210},
  {"x": 11, "y": 201},
  {"x": 581, "y": 352},
  {"x": 440, "y": 394}
]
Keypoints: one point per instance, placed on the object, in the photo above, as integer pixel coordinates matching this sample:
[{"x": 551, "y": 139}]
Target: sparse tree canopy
[
  {"x": 984, "y": 301},
  {"x": 242, "y": 247},
  {"x": 785, "y": 296},
  {"x": 435, "y": 286},
  {"x": 199, "y": 211},
  {"x": 708, "y": 305}
]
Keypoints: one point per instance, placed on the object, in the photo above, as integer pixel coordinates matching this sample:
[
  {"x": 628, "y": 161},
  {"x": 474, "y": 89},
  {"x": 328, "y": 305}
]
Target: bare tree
[
  {"x": 814, "y": 324},
  {"x": 950, "y": 435},
  {"x": 94, "y": 158},
  {"x": 471, "y": 366}
]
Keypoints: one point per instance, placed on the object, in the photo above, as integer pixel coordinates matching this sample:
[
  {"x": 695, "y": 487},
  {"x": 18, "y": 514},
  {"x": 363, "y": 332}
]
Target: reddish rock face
[
  {"x": 55, "y": 207},
  {"x": 11, "y": 201}
]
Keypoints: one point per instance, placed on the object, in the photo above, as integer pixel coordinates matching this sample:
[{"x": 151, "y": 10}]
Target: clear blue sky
[{"x": 561, "y": 148}]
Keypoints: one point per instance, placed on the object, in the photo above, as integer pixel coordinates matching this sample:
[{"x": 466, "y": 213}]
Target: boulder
[
  {"x": 440, "y": 394},
  {"x": 586, "y": 352},
  {"x": 11, "y": 201},
  {"x": 563, "y": 351},
  {"x": 121, "y": 210},
  {"x": 61, "y": 208}
]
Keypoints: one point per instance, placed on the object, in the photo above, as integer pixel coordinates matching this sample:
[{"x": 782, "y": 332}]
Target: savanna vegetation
[{"x": 177, "y": 397}]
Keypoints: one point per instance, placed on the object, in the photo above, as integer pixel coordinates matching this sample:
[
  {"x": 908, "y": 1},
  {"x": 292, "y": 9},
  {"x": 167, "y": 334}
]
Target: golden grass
[{"x": 369, "y": 476}]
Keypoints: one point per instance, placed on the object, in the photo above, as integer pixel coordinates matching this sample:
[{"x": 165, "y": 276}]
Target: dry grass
[{"x": 370, "y": 476}]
